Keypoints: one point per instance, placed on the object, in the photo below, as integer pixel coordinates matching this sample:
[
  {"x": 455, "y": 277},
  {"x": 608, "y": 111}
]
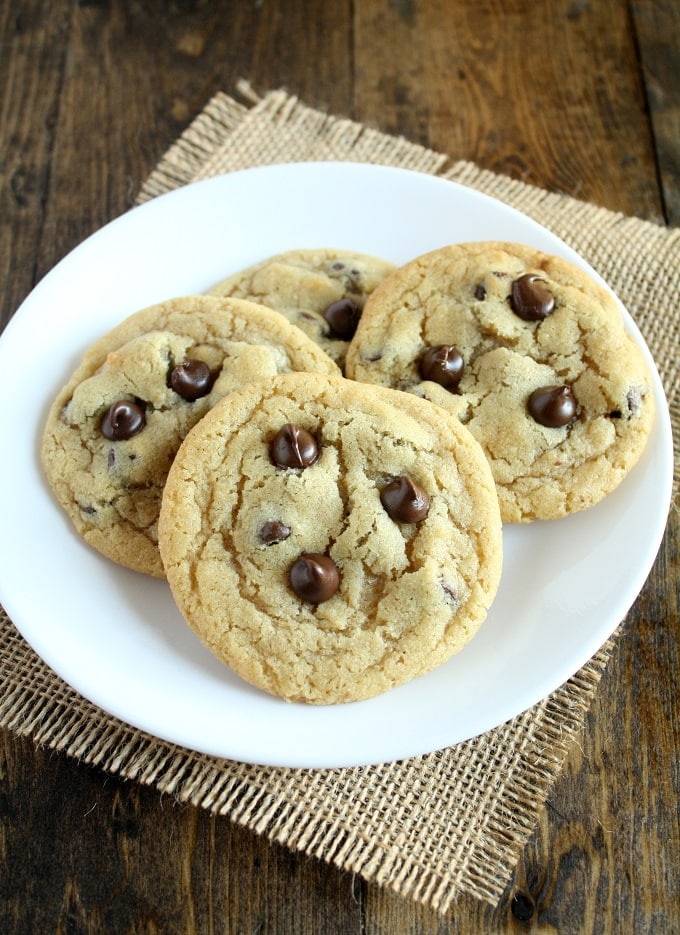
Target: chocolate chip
[
  {"x": 634, "y": 400},
  {"x": 480, "y": 292},
  {"x": 343, "y": 317},
  {"x": 293, "y": 447},
  {"x": 122, "y": 420},
  {"x": 531, "y": 299},
  {"x": 273, "y": 531},
  {"x": 191, "y": 379},
  {"x": 552, "y": 406},
  {"x": 314, "y": 577},
  {"x": 450, "y": 592},
  {"x": 442, "y": 364},
  {"x": 404, "y": 501},
  {"x": 632, "y": 407},
  {"x": 349, "y": 273}
]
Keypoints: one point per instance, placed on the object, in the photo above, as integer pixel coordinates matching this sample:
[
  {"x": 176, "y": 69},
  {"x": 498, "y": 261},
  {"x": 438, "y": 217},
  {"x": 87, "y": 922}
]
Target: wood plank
[
  {"x": 657, "y": 27},
  {"x": 82, "y": 851},
  {"x": 32, "y": 61},
  {"x": 137, "y": 74},
  {"x": 548, "y": 94}
]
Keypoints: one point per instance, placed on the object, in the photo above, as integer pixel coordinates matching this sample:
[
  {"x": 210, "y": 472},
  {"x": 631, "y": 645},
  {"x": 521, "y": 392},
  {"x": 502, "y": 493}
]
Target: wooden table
[{"x": 576, "y": 96}]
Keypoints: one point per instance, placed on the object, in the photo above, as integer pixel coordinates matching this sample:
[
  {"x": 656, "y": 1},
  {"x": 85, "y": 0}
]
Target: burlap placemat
[{"x": 431, "y": 827}]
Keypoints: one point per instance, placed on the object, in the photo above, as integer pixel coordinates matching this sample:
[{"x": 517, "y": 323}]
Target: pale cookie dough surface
[
  {"x": 460, "y": 296},
  {"x": 410, "y": 594},
  {"x": 112, "y": 490},
  {"x": 302, "y": 284}
]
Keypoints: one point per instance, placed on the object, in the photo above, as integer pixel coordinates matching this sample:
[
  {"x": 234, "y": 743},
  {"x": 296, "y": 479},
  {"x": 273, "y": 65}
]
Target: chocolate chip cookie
[
  {"x": 329, "y": 540},
  {"x": 321, "y": 291},
  {"x": 114, "y": 429},
  {"x": 530, "y": 353}
]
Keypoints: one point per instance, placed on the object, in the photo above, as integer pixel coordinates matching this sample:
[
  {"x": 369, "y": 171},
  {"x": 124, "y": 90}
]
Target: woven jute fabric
[{"x": 432, "y": 827}]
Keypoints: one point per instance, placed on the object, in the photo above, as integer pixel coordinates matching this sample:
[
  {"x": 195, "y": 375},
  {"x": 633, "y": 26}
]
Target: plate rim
[{"x": 662, "y": 419}]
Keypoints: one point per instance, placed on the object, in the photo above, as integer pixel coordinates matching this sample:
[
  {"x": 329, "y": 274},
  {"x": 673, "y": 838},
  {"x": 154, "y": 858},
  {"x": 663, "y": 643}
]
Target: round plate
[{"x": 117, "y": 637}]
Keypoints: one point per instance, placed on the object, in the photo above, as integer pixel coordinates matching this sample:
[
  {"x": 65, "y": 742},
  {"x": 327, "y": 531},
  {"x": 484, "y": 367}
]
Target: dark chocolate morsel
[
  {"x": 530, "y": 298},
  {"x": 191, "y": 379},
  {"x": 273, "y": 531},
  {"x": 294, "y": 447},
  {"x": 442, "y": 364},
  {"x": 552, "y": 406},
  {"x": 122, "y": 420},
  {"x": 404, "y": 501},
  {"x": 480, "y": 292},
  {"x": 343, "y": 317},
  {"x": 314, "y": 577}
]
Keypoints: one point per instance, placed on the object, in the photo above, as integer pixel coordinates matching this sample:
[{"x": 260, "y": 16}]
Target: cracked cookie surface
[
  {"x": 321, "y": 291},
  {"x": 114, "y": 429},
  {"x": 329, "y": 541},
  {"x": 530, "y": 353}
]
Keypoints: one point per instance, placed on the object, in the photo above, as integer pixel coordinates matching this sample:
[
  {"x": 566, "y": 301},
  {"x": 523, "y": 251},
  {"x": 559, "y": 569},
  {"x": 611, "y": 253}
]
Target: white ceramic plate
[{"x": 117, "y": 637}]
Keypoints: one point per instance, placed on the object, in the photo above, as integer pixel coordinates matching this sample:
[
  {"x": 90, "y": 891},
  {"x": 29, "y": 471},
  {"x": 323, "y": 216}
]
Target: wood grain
[
  {"x": 657, "y": 27},
  {"x": 577, "y": 96},
  {"x": 549, "y": 94}
]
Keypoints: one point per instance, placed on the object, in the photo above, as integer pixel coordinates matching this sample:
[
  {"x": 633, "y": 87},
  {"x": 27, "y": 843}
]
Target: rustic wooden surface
[{"x": 577, "y": 96}]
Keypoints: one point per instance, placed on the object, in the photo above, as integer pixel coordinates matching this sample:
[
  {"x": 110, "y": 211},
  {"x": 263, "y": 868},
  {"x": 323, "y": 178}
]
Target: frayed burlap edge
[{"x": 430, "y": 828}]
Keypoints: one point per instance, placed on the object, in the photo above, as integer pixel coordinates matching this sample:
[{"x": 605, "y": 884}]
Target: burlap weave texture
[{"x": 431, "y": 827}]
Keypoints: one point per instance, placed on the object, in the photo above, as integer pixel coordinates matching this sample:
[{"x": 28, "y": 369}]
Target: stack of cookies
[{"x": 319, "y": 454}]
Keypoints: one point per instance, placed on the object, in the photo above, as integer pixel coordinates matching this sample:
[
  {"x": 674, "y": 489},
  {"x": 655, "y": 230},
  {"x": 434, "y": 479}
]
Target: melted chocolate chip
[
  {"x": 450, "y": 592},
  {"x": 191, "y": 379},
  {"x": 273, "y": 531},
  {"x": 314, "y": 577},
  {"x": 531, "y": 299},
  {"x": 404, "y": 501},
  {"x": 293, "y": 447},
  {"x": 552, "y": 406},
  {"x": 634, "y": 400},
  {"x": 442, "y": 364},
  {"x": 122, "y": 420},
  {"x": 480, "y": 292},
  {"x": 632, "y": 407},
  {"x": 343, "y": 317}
]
